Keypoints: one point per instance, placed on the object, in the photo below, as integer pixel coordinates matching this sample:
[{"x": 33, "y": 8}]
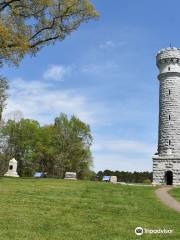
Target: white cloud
[
  {"x": 122, "y": 162},
  {"x": 107, "y": 45},
  {"x": 122, "y": 145},
  {"x": 43, "y": 101},
  {"x": 110, "y": 45},
  {"x": 100, "y": 69},
  {"x": 120, "y": 154},
  {"x": 57, "y": 72}
]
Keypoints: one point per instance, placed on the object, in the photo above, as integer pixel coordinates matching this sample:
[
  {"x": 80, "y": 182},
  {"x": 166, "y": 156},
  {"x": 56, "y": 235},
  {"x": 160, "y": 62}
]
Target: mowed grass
[
  {"x": 175, "y": 192},
  {"x": 40, "y": 209}
]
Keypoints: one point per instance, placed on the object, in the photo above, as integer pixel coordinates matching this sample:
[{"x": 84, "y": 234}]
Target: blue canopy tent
[
  {"x": 106, "y": 178},
  {"x": 38, "y": 174}
]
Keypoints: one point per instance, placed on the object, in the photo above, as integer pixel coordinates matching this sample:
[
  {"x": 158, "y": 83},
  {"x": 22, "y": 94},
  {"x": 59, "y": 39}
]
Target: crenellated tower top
[{"x": 168, "y": 61}]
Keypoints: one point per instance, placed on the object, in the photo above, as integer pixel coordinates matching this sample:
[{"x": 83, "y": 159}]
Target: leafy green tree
[
  {"x": 3, "y": 146},
  {"x": 28, "y": 25},
  {"x": 22, "y": 137},
  {"x": 72, "y": 141},
  {"x": 3, "y": 95},
  {"x": 43, "y": 156}
]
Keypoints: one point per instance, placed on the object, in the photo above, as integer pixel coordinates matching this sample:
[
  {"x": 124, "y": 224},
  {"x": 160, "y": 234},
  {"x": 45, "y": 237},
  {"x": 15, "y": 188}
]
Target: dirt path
[{"x": 164, "y": 196}]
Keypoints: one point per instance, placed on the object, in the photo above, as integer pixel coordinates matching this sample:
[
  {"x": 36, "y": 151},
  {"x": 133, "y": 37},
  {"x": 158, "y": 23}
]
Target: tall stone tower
[{"x": 166, "y": 162}]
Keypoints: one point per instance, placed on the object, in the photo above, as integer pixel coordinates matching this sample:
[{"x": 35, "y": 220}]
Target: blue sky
[{"x": 104, "y": 73}]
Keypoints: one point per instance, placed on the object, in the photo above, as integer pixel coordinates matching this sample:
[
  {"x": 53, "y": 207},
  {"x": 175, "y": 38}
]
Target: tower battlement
[
  {"x": 168, "y": 53},
  {"x": 168, "y": 60}
]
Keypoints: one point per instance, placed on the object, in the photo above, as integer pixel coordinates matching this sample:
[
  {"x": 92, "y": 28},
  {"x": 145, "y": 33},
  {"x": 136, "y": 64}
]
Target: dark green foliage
[
  {"x": 130, "y": 177},
  {"x": 3, "y": 164}
]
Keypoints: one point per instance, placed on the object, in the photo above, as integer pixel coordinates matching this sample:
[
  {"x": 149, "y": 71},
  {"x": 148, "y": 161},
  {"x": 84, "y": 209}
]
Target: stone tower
[{"x": 166, "y": 162}]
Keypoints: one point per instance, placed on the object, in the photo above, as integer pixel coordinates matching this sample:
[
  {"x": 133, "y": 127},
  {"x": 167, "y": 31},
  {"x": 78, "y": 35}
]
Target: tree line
[
  {"x": 129, "y": 177},
  {"x": 54, "y": 149}
]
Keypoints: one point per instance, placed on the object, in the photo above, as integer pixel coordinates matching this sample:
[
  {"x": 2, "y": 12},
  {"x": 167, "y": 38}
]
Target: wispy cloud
[
  {"x": 43, "y": 101},
  {"x": 107, "y": 45},
  {"x": 120, "y": 154},
  {"x": 110, "y": 45},
  {"x": 122, "y": 162},
  {"x": 57, "y": 72},
  {"x": 100, "y": 68},
  {"x": 122, "y": 145}
]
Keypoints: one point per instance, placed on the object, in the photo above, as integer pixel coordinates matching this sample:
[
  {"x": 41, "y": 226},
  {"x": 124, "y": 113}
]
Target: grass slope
[
  {"x": 175, "y": 192},
  {"x": 40, "y": 209}
]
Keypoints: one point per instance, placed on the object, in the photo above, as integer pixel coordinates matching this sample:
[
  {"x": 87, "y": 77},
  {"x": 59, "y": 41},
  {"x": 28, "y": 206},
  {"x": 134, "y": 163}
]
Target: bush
[{"x": 147, "y": 181}]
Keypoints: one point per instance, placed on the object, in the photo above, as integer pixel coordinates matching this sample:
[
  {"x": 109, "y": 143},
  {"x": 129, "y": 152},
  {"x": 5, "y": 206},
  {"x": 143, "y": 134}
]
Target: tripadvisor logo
[{"x": 139, "y": 231}]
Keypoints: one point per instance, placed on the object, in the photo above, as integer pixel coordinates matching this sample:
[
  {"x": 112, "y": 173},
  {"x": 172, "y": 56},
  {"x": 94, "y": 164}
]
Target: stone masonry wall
[
  {"x": 161, "y": 166},
  {"x": 169, "y": 115}
]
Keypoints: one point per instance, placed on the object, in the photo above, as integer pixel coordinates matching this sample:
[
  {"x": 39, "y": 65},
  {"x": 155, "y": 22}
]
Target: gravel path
[{"x": 163, "y": 195}]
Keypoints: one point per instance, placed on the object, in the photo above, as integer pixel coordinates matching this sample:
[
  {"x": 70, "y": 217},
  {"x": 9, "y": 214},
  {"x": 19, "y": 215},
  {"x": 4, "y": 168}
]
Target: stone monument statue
[
  {"x": 12, "y": 170},
  {"x": 70, "y": 176},
  {"x": 113, "y": 179},
  {"x": 166, "y": 162}
]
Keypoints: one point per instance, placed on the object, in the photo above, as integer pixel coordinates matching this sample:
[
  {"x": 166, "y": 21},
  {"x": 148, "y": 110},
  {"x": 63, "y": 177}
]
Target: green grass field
[
  {"x": 40, "y": 209},
  {"x": 175, "y": 192}
]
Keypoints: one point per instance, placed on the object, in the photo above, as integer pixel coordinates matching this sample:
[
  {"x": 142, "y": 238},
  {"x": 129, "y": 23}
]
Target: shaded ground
[{"x": 167, "y": 199}]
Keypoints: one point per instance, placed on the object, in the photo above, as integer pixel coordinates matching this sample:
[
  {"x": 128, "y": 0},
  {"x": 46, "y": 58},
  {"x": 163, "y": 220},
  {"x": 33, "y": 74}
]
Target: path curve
[{"x": 164, "y": 196}]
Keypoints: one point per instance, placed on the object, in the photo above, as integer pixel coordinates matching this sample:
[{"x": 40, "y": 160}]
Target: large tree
[
  {"x": 28, "y": 25},
  {"x": 21, "y": 137},
  {"x": 72, "y": 141}
]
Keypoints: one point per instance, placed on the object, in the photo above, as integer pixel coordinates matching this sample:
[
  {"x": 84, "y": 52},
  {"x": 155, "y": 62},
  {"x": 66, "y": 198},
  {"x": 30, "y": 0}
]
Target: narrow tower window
[
  {"x": 169, "y": 117},
  {"x": 169, "y": 92},
  {"x": 169, "y": 68},
  {"x": 169, "y": 142}
]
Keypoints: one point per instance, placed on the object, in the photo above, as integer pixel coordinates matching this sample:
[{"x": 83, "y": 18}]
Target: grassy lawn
[
  {"x": 175, "y": 192},
  {"x": 40, "y": 209}
]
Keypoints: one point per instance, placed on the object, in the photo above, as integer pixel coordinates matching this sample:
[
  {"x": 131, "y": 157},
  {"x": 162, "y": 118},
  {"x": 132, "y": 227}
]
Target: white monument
[
  {"x": 113, "y": 179},
  {"x": 12, "y": 170},
  {"x": 70, "y": 176},
  {"x": 166, "y": 162}
]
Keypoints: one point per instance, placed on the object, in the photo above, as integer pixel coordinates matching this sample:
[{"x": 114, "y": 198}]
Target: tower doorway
[{"x": 169, "y": 177}]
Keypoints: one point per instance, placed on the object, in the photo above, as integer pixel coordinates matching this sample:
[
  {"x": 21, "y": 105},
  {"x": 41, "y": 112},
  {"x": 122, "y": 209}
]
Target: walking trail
[{"x": 163, "y": 195}]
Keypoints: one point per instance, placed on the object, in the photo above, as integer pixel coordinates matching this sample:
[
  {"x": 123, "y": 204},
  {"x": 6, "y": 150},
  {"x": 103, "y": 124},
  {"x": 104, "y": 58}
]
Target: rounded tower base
[{"x": 166, "y": 170}]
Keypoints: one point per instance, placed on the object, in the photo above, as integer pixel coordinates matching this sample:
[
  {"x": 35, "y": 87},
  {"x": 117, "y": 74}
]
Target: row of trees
[
  {"x": 54, "y": 149},
  {"x": 129, "y": 177}
]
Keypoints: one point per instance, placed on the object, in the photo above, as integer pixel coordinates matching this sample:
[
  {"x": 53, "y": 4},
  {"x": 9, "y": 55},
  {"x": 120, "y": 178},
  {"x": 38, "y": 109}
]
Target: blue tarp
[
  {"x": 38, "y": 174},
  {"x": 106, "y": 178}
]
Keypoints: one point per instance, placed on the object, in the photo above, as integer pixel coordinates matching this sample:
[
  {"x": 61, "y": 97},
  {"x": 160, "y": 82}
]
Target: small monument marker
[
  {"x": 70, "y": 176},
  {"x": 12, "y": 170},
  {"x": 113, "y": 179}
]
